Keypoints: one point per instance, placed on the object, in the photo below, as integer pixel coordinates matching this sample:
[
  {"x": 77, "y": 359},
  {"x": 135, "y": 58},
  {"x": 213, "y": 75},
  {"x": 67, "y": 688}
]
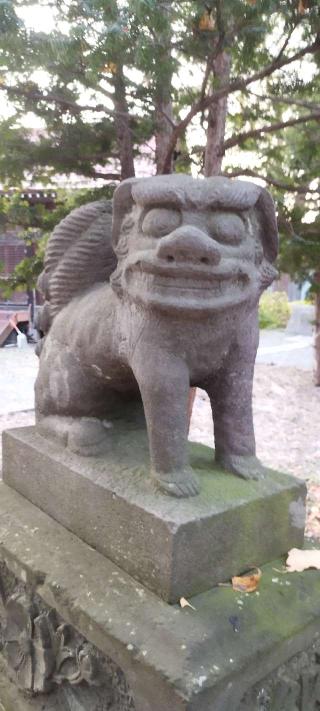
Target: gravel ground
[
  {"x": 286, "y": 408},
  {"x": 287, "y": 426}
]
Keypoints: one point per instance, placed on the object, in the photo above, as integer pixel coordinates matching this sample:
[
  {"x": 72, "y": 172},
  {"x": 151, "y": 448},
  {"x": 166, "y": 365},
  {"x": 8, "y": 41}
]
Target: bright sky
[
  {"x": 37, "y": 17},
  {"x": 40, "y": 19}
]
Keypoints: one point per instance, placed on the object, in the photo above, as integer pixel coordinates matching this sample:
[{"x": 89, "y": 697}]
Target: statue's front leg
[
  {"x": 164, "y": 384},
  {"x": 230, "y": 392}
]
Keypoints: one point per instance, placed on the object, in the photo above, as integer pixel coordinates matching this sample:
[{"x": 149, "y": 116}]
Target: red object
[{"x": 9, "y": 321}]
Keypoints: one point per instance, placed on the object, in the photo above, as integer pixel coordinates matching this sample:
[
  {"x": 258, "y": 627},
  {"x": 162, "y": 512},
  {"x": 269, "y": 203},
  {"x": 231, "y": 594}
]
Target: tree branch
[
  {"x": 287, "y": 39},
  {"x": 217, "y": 48},
  {"x": 163, "y": 113},
  {"x": 236, "y": 85},
  {"x": 300, "y": 189},
  {"x": 241, "y": 83},
  {"x": 105, "y": 176},
  {"x": 67, "y": 104},
  {"x": 100, "y": 88},
  {"x": 256, "y": 132},
  {"x": 285, "y": 100}
]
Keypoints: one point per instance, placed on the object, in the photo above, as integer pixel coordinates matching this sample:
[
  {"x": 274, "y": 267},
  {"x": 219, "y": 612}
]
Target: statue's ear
[
  {"x": 268, "y": 225},
  {"x": 122, "y": 204}
]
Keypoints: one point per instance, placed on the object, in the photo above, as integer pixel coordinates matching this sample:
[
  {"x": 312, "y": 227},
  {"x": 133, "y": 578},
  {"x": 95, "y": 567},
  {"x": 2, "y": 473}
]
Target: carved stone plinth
[
  {"x": 294, "y": 686},
  {"x": 175, "y": 548},
  {"x": 48, "y": 661},
  {"x": 79, "y": 634}
]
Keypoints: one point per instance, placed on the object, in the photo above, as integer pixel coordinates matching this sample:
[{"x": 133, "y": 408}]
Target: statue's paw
[
  {"x": 247, "y": 467},
  {"x": 88, "y": 437},
  {"x": 181, "y": 484}
]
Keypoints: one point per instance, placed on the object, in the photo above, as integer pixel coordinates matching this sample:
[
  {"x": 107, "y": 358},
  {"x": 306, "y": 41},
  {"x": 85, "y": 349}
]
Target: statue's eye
[
  {"x": 161, "y": 221},
  {"x": 226, "y": 227}
]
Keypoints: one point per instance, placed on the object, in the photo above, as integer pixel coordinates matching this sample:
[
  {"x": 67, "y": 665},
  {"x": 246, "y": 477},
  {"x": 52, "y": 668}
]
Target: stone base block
[
  {"x": 79, "y": 634},
  {"x": 176, "y": 548}
]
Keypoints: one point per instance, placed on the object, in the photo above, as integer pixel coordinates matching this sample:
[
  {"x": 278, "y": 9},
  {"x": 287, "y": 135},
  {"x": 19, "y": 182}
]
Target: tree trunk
[
  {"x": 163, "y": 132},
  {"x": 163, "y": 94},
  {"x": 317, "y": 330},
  {"x": 217, "y": 119},
  {"x": 122, "y": 126}
]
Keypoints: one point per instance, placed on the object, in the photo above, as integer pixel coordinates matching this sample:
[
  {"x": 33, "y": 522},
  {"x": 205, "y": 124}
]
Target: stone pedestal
[
  {"x": 176, "y": 548},
  {"x": 80, "y": 634},
  {"x": 93, "y": 562}
]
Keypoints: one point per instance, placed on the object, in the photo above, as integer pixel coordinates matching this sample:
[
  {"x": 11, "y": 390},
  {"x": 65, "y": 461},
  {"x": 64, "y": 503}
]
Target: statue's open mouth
[
  {"x": 216, "y": 286},
  {"x": 188, "y": 287},
  {"x": 171, "y": 276}
]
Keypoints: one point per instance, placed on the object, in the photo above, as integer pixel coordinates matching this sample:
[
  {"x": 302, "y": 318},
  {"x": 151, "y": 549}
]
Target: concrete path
[
  {"x": 18, "y": 371},
  {"x": 285, "y": 350},
  {"x": 18, "y": 368}
]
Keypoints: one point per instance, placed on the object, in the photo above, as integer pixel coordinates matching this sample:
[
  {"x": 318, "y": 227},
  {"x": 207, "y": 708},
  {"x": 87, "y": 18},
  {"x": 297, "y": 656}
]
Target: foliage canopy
[{"x": 120, "y": 85}]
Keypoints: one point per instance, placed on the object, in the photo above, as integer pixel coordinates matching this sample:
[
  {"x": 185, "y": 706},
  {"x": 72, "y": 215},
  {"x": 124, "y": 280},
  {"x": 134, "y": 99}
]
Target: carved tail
[{"x": 79, "y": 254}]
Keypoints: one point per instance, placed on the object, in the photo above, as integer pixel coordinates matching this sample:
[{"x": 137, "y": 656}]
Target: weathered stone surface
[
  {"x": 172, "y": 658},
  {"x": 44, "y": 657},
  {"x": 181, "y": 307},
  {"x": 294, "y": 686},
  {"x": 174, "y": 548}
]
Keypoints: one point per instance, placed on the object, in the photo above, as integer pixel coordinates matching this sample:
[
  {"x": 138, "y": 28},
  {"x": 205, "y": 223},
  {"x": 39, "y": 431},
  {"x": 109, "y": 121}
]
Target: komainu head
[{"x": 193, "y": 245}]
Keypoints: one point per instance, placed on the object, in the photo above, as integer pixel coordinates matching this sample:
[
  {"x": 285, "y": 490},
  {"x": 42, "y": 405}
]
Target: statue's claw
[
  {"x": 180, "y": 484},
  {"x": 247, "y": 467}
]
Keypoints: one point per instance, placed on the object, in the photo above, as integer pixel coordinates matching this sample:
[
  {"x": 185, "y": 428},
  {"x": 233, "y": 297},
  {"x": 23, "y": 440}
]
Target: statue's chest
[
  {"x": 207, "y": 355},
  {"x": 203, "y": 347}
]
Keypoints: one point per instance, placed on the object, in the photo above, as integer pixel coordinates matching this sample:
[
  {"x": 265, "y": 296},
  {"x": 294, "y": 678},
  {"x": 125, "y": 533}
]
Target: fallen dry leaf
[
  {"x": 185, "y": 603},
  {"x": 248, "y": 582},
  {"x": 299, "y": 560}
]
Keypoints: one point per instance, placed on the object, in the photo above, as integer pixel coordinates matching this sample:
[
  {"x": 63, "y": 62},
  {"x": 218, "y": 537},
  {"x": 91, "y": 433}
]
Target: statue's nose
[{"x": 189, "y": 244}]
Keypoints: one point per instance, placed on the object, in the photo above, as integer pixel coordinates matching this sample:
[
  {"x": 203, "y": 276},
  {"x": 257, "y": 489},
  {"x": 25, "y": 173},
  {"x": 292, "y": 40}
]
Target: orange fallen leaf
[
  {"x": 299, "y": 560},
  {"x": 185, "y": 603},
  {"x": 247, "y": 583}
]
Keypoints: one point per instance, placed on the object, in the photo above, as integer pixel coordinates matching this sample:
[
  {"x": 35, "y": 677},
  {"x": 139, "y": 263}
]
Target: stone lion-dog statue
[{"x": 147, "y": 297}]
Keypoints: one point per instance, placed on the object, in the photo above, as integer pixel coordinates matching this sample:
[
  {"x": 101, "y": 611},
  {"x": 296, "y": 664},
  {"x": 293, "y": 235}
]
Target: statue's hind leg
[
  {"x": 87, "y": 436},
  {"x": 71, "y": 405}
]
